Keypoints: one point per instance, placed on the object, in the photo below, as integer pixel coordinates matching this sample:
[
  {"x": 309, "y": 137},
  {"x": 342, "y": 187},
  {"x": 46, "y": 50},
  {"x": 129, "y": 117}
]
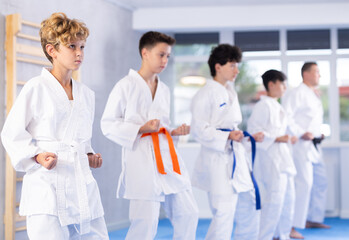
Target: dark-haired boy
[
  {"x": 223, "y": 166},
  {"x": 153, "y": 174},
  {"x": 274, "y": 167}
]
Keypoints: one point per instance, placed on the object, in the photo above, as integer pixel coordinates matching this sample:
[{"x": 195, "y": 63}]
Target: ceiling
[{"x": 136, "y": 4}]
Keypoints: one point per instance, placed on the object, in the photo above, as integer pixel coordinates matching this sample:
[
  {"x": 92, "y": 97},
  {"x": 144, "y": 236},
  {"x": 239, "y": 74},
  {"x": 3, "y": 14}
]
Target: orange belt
[{"x": 159, "y": 163}]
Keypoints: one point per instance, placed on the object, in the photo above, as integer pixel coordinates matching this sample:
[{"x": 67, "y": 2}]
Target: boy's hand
[
  {"x": 294, "y": 139},
  {"x": 181, "y": 130},
  {"x": 236, "y": 136},
  {"x": 150, "y": 126},
  {"x": 47, "y": 159},
  {"x": 95, "y": 160},
  {"x": 283, "y": 139},
  {"x": 259, "y": 137},
  {"x": 307, "y": 136}
]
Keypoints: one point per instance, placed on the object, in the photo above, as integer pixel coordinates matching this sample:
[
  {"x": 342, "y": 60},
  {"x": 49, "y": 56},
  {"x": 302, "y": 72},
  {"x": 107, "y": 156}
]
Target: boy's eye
[
  {"x": 72, "y": 46},
  {"x": 82, "y": 47}
]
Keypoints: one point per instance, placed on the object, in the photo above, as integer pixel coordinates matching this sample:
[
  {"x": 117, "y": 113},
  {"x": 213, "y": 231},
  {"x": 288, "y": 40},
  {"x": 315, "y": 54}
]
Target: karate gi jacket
[
  {"x": 213, "y": 107},
  {"x": 272, "y": 158},
  {"x": 305, "y": 113},
  {"x": 43, "y": 119},
  {"x": 129, "y": 107}
]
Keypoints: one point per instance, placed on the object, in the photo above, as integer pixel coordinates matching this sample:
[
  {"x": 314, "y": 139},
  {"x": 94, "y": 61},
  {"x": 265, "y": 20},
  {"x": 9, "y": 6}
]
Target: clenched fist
[
  {"x": 236, "y": 135},
  {"x": 181, "y": 130},
  {"x": 259, "y": 137},
  {"x": 150, "y": 126},
  {"x": 47, "y": 159},
  {"x": 95, "y": 160}
]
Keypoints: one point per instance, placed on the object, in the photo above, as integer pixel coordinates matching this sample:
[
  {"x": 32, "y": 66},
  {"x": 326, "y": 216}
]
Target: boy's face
[
  {"x": 228, "y": 71},
  {"x": 69, "y": 57},
  {"x": 157, "y": 57},
  {"x": 277, "y": 89}
]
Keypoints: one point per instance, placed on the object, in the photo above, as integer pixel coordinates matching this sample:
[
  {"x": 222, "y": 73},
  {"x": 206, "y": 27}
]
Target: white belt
[{"x": 77, "y": 152}]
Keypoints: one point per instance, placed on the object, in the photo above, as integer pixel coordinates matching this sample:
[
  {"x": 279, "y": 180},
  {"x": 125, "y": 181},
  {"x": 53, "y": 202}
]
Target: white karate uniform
[
  {"x": 274, "y": 169},
  {"x": 55, "y": 231},
  {"x": 305, "y": 112},
  {"x": 43, "y": 119},
  {"x": 213, "y": 107},
  {"x": 130, "y": 106}
]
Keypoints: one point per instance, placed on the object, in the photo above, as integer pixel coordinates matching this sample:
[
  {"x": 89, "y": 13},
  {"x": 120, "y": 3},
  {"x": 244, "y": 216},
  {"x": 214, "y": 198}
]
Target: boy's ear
[
  {"x": 217, "y": 67},
  {"x": 270, "y": 84},
  {"x": 50, "y": 49},
  {"x": 144, "y": 52}
]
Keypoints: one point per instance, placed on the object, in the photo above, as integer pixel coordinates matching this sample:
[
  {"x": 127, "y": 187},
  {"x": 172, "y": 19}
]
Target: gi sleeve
[
  {"x": 113, "y": 122},
  {"x": 291, "y": 102},
  {"x": 88, "y": 146},
  {"x": 258, "y": 122},
  {"x": 17, "y": 141}
]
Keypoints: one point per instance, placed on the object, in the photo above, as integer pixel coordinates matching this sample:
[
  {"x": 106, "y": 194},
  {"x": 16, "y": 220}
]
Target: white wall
[
  {"x": 112, "y": 48},
  {"x": 241, "y": 17}
]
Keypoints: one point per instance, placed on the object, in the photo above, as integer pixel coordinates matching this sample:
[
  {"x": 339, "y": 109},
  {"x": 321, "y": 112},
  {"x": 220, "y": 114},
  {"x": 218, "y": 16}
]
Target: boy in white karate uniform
[
  {"x": 223, "y": 167},
  {"x": 304, "y": 107},
  {"x": 48, "y": 135},
  {"x": 153, "y": 174},
  {"x": 274, "y": 167}
]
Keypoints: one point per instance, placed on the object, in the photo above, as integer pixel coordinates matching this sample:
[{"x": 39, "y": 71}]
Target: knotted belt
[
  {"x": 159, "y": 162},
  {"x": 253, "y": 147},
  {"x": 317, "y": 141},
  {"x": 74, "y": 155}
]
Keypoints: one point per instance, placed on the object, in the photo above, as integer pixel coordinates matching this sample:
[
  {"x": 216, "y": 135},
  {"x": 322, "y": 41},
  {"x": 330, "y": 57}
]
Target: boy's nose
[{"x": 78, "y": 52}]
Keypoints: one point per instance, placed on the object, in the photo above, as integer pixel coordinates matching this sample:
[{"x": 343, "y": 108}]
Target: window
[
  {"x": 308, "y": 39},
  {"x": 190, "y": 77},
  {"x": 191, "y": 71},
  {"x": 343, "y": 41},
  {"x": 258, "y": 41},
  {"x": 195, "y": 44},
  {"x": 343, "y": 90}
]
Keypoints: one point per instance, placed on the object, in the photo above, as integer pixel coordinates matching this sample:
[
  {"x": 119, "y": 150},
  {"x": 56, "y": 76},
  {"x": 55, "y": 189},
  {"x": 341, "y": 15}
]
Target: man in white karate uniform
[
  {"x": 304, "y": 108},
  {"x": 48, "y": 134},
  {"x": 223, "y": 166},
  {"x": 274, "y": 168},
  {"x": 153, "y": 174}
]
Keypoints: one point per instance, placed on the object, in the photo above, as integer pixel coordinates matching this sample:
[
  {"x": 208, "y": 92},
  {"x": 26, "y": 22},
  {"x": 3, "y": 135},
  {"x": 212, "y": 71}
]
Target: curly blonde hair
[{"x": 59, "y": 29}]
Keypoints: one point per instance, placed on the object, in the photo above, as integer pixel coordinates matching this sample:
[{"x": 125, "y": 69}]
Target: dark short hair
[
  {"x": 272, "y": 76},
  {"x": 222, "y": 54},
  {"x": 150, "y": 39},
  {"x": 307, "y": 66}
]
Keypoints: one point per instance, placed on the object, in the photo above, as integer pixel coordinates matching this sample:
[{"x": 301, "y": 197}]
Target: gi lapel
[{"x": 80, "y": 165}]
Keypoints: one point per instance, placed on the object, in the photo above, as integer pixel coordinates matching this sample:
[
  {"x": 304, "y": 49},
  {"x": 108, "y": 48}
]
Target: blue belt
[{"x": 253, "y": 145}]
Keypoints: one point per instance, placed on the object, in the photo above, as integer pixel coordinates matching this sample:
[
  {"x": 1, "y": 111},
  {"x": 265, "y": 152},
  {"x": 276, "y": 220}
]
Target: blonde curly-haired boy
[{"x": 48, "y": 136}]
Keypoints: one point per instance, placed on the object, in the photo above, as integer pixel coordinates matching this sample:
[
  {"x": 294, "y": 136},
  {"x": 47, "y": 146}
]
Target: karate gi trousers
[
  {"x": 48, "y": 227},
  {"x": 277, "y": 208},
  {"x": 180, "y": 208},
  {"x": 240, "y": 207},
  {"x": 317, "y": 205}
]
